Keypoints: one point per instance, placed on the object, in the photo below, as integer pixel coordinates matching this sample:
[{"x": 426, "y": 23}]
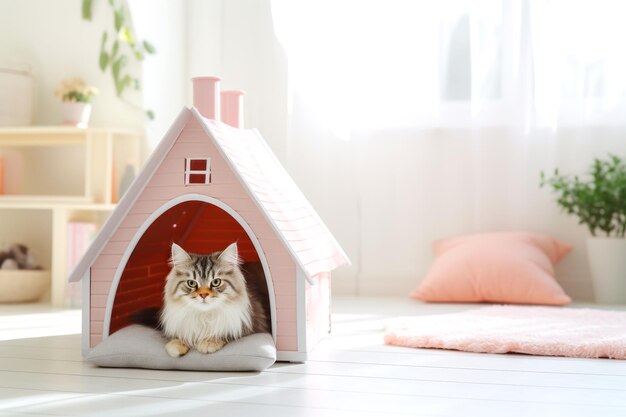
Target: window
[
  {"x": 455, "y": 63},
  {"x": 197, "y": 171}
]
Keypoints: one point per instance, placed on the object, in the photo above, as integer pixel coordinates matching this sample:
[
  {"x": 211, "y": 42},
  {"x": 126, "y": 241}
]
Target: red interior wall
[{"x": 198, "y": 227}]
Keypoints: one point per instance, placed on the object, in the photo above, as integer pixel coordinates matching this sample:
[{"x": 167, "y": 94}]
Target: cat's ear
[
  {"x": 179, "y": 256},
  {"x": 230, "y": 255}
]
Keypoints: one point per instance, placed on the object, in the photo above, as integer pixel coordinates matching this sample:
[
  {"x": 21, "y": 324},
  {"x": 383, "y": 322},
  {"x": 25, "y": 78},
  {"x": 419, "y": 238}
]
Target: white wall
[
  {"x": 164, "y": 74},
  {"x": 234, "y": 39},
  {"x": 204, "y": 36},
  {"x": 52, "y": 38}
]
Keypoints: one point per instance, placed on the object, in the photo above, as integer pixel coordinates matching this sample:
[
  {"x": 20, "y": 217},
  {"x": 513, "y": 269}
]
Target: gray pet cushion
[{"x": 142, "y": 347}]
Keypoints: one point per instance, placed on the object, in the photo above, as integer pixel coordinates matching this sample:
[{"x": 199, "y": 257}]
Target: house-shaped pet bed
[{"x": 207, "y": 184}]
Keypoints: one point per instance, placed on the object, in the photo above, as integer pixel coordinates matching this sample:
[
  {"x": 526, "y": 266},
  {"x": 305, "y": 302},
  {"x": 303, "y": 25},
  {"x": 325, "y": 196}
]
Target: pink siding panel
[
  {"x": 287, "y": 328},
  {"x": 286, "y": 302},
  {"x": 284, "y": 284},
  {"x": 147, "y": 206},
  {"x": 164, "y": 193},
  {"x": 168, "y": 178},
  {"x": 253, "y": 217},
  {"x": 285, "y": 288},
  {"x": 288, "y": 319},
  {"x": 279, "y": 259},
  {"x": 97, "y": 314},
  {"x": 99, "y": 300},
  {"x": 287, "y": 343},
  {"x": 97, "y": 327},
  {"x": 115, "y": 248},
  {"x": 134, "y": 221},
  {"x": 102, "y": 274},
  {"x": 94, "y": 339},
  {"x": 284, "y": 310},
  {"x": 272, "y": 245},
  {"x": 283, "y": 273},
  {"x": 263, "y": 230},
  {"x": 172, "y": 165},
  {"x": 100, "y": 288},
  {"x": 123, "y": 234},
  {"x": 107, "y": 261},
  {"x": 192, "y": 138},
  {"x": 227, "y": 190},
  {"x": 189, "y": 150}
]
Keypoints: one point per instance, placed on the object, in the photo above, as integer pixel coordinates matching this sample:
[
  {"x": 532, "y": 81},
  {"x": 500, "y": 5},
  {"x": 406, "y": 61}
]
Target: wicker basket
[{"x": 20, "y": 286}]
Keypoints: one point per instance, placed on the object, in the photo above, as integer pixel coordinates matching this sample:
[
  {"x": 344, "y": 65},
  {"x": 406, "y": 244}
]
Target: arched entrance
[{"x": 200, "y": 224}]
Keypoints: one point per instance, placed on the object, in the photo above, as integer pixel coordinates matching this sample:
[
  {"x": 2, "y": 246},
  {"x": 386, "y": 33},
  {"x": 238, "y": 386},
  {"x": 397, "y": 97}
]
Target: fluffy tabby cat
[{"x": 207, "y": 303}]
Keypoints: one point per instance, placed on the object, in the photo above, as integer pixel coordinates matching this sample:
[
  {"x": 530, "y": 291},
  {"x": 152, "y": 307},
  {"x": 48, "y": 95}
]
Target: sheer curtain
[{"x": 412, "y": 121}]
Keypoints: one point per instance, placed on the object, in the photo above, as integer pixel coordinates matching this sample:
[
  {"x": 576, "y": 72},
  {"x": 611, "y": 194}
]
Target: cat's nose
[{"x": 204, "y": 292}]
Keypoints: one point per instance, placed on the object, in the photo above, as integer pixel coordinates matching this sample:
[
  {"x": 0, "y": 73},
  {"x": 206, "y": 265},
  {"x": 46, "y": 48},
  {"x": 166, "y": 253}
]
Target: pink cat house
[{"x": 207, "y": 184}]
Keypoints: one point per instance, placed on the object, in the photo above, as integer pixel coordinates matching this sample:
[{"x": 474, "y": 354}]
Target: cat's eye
[
  {"x": 191, "y": 283},
  {"x": 216, "y": 282}
]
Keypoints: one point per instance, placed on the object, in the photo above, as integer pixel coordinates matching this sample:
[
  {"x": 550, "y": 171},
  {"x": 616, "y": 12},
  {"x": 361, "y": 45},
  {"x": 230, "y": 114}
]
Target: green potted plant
[
  {"x": 76, "y": 97},
  {"x": 120, "y": 50},
  {"x": 599, "y": 202}
]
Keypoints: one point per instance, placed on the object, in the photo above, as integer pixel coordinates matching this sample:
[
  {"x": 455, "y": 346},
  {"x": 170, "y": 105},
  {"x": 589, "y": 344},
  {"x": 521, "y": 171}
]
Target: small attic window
[{"x": 197, "y": 171}]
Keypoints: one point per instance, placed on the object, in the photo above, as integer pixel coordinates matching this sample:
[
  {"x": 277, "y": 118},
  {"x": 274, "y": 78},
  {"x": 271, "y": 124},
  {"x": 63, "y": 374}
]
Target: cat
[{"x": 207, "y": 303}]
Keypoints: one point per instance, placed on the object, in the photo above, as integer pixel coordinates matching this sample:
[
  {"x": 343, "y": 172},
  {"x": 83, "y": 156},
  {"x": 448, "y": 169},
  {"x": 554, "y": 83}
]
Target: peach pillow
[{"x": 508, "y": 267}]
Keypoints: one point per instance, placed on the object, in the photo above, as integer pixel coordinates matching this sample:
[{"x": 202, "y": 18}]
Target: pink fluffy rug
[{"x": 552, "y": 331}]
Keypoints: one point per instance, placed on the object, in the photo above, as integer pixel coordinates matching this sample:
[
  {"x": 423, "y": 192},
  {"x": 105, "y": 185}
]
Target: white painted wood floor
[{"x": 351, "y": 374}]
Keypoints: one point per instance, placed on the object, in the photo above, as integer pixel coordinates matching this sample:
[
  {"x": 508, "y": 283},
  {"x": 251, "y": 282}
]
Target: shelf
[
  {"x": 56, "y": 175},
  {"x": 68, "y": 161},
  {"x": 62, "y": 130},
  {"x": 56, "y": 135},
  {"x": 51, "y": 202}
]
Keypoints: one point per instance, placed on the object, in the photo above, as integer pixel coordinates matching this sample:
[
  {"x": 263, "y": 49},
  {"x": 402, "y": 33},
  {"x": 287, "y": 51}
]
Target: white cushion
[{"x": 139, "y": 346}]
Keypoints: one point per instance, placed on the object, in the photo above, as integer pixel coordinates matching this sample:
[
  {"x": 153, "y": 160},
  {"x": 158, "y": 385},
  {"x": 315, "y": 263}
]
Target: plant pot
[
  {"x": 76, "y": 113},
  {"x": 607, "y": 259}
]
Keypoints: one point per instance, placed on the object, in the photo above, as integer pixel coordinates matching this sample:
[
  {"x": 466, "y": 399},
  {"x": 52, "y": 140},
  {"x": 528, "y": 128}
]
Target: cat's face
[{"x": 204, "y": 282}]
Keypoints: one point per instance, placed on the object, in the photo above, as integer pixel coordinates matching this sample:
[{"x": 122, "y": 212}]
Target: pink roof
[{"x": 269, "y": 185}]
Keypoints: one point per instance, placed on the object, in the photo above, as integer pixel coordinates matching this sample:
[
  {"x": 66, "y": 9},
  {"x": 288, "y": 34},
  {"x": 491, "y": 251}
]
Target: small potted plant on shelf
[
  {"x": 599, "y": 202},
  {"x": 76, "y": 96}
]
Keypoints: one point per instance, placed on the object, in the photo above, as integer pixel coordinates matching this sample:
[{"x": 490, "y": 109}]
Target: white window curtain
[
  {"x": 411, "y": 121},
  {"x": 406, "y": 63}
]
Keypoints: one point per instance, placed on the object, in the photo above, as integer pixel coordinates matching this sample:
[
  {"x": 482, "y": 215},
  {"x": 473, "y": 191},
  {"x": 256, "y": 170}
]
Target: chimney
[
  {"x": 206, "y": 96},
  {"x": 232, "y": 108}
]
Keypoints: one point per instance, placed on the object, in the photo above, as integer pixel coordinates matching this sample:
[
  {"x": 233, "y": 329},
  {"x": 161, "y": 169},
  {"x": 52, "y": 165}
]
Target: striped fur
[{"x": 207, "y": 303}]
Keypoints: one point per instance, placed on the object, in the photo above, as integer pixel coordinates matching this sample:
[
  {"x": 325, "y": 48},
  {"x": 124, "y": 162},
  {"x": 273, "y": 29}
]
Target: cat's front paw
[
  {"x": 210, "y": 345},
  {"x": 176, "y": 348}
]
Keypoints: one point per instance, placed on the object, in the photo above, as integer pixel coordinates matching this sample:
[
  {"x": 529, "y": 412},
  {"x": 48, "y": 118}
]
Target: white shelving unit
[{"x": 53, "y": 175}]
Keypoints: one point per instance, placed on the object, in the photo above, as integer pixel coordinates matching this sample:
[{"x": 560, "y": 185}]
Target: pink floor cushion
[
  {"x": 507, "y": 267},
  {"x": 549, "y": 331}
]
